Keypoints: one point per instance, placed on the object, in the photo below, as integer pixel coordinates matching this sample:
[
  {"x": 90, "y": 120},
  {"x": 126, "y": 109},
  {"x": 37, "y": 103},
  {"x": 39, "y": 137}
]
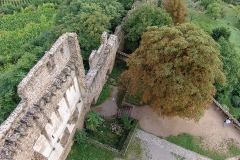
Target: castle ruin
[{"x": 55, "y": 96}]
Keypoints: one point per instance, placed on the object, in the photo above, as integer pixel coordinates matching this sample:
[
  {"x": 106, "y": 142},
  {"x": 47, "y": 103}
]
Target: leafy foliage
[
  {"x": 235, "y": 101},
  {"x": 15, "y": 6},
  {"x": 126, "y": 121},
  {"x": 12, "y": 38},
  {"x": 111, "y": 133},
  {"x": 221, "y": 32},
  {"x": 9, "y": 8},
  {"x": 92, "y": 120},
  {"x": 194, "y": 14},
  {"x": 175, "y": 68},
  {"x": 25, "y": 36},
  {"x": 87, "y": 151},
  {"x": 176, "y": 9},
  {"x": 127, "y": 4},
  {"x": 89, "y": 19},
  {"x": 217, "y": 10},
  {"x": 18, "y": 55},
  {"x": 105, "y": 93},
  {"x": 206, "y": 3},
  {"x": 231, "y": 68},
  {"x": 141, "y": 18},
  {"x": 79, "y": 136}
]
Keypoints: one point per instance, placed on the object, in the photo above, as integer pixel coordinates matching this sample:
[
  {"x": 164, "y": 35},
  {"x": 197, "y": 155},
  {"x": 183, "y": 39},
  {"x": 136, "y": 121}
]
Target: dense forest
[{"x": 29, "y": 27}]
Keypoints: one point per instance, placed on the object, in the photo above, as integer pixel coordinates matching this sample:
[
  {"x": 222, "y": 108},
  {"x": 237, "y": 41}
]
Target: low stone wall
[{"x": 224, "y": 111}]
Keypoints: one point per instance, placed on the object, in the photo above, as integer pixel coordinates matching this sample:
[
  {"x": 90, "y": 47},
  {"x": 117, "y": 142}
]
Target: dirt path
[{"x": 210, "y": 126}]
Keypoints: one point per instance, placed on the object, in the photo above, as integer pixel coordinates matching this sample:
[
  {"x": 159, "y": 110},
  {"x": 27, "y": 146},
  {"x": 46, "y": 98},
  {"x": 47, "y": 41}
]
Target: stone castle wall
[{"x": 56, "y": 94}]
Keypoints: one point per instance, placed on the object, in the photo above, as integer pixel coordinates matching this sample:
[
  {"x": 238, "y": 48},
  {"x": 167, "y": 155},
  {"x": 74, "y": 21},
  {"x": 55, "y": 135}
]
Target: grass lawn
[
  {"x": 230, "y": 21},
  {"x": 195, "y": 144},
  {"x": 86, "y": 151}
]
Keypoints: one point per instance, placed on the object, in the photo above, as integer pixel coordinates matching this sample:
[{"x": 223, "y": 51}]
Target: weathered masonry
[{"x": 56, "y": 94}]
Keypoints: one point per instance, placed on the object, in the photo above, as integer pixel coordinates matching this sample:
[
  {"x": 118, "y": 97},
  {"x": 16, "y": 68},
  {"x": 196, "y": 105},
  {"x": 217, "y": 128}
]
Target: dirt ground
[{"x": 210, "y": 126}]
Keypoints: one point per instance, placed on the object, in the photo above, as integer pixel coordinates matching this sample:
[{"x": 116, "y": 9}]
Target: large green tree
[
  {"x": 174, "y": 69},
  {"x": 146, "y": 15},
  {"x": 176, "y": 9},
  {"x": 221, "y": 32},
  {"x": 217, "y": 10},
  {"x": 231, "y": 61},
  {"x": 89, "y": 19}
]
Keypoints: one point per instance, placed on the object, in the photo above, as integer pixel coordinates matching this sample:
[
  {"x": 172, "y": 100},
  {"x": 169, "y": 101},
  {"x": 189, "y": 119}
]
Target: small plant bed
[
  {"x": 110, "y": 134},
  {"x": 109, "y": 131}
]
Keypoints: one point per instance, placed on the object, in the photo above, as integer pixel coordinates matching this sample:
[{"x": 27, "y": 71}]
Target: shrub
[
  {"x": 127, "y": 4},
  {"x": 79, "y": 136},
  {"x": 235, "y": 101},
  {"x": 92, "y": 120},
  {"x": 126, "y": 122},
  {"x": 220, "y": 32}
]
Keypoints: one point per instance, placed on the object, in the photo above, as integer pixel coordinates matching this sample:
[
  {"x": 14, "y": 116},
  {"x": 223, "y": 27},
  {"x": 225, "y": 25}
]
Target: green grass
[
  {"x": 230, "y": 22},
  {"x": 134, "y": 149},
  {"x": 86, "y": 151},
  {"x": 118, "y": 68},
  {"x": 195, "y": 144},
  {"x": 105, "y": 93}
]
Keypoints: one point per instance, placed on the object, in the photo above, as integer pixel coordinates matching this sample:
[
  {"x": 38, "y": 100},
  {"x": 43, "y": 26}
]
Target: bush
[
  {"x": 79, "y": 136},
  {"x": 235, "y": 101},
  {"x": 127, "y": 4},
  {"x": 126, "y": 122},
  {"x": 221, "y": 32},
  {"x": 142, "y": 18},
  {"x": 92, "y": 120}
]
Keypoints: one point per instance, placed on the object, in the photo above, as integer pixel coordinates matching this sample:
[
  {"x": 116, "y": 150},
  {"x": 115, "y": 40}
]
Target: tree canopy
[
  {"x": 141, "y": 18},
  {"x": 176, "y": 9},
  {"x": 127, "y": 4},
  {"x": 174, "y": 69},
  {"x": 89, "y": 19},
  {"x": 221, "y": 32},
  {"x": 217, "y": 10},
  {"x": 231, "y": 61}
]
